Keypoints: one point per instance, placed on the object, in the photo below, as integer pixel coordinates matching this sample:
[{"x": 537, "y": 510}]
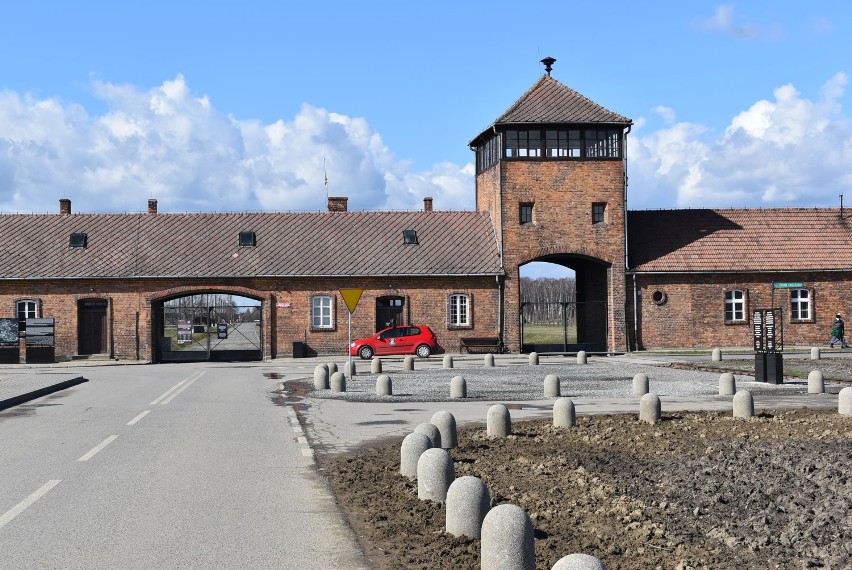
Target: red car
[{"x": 403, "y": 339}]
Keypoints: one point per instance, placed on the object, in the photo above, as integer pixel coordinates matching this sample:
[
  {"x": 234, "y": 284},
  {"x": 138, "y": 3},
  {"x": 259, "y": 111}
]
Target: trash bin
[{"x": 298, "y": 349}]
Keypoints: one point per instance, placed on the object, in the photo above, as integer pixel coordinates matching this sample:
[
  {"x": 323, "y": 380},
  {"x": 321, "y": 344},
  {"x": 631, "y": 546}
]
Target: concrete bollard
[
  {"x": 716, "y": 355},
  {"x": 578, "y": 562},
  {"x": 458, "y": 387},
  {"x": 564, "y": 414},
  {"x": 489, "y": 361},
  {"x": 533, "y": 359},
  {"x": 338, "y": 382},
  {"x": 332, "y": 368},
  {"x": 816, "y": 382},
  {"x": 435, "y": 473},
  {"x": 412, "y": 447},
  {"x": 384, "y": 386},
  {"x": 640, "y": 385},
  {"x": 844, "y": 401},
  {"x": 743, "y": 404},
  {"x": 431, "y": 431},
  {"x": 446, "y": 424},
  {"x": 408, "y": 363},
  {"x": 727, "y": 384},
  {"x": 581, "y": 357},
  {"x": 321, "y": 377},
  {"x": 507, "y": 539},
  {"x": 650, "y": 408},
  {"x": 551, "y": 386},
  {"x": 499, "y": 423},
  {"x": 815, "y": 354},
  {"x": 376, "y": 365},
  {"x": 448, "y": 361},
  {"x": 468, "y": 501},
  {"x": 350, "y": 368}
]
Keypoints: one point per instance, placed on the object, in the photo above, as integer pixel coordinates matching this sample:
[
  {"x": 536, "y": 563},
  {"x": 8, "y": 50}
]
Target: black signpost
[{"x": 768, "y": 346}]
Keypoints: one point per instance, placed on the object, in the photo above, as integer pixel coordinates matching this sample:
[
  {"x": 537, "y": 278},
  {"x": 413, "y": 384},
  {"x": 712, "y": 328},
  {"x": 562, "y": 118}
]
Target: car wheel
[
  {"x": 423, "y": 351},
  {"x": 366, "y": 353}
]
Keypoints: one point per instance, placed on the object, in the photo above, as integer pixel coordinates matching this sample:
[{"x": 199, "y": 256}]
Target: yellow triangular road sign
[{"x": 351, "y": 298}]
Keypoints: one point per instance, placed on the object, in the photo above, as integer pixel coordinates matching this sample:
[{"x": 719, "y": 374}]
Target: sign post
[{"x": 351, "y": 298}]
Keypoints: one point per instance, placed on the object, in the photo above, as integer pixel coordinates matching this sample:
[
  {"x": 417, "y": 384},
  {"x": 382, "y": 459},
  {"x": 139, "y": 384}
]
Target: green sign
[{"x": 788, "y": 285}]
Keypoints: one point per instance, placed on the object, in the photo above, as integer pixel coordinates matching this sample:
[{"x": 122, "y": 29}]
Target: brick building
[{"x": 550, "y": 186}]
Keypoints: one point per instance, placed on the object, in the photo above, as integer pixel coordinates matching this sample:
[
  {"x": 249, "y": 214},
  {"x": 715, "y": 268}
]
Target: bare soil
[{"x": 698, "y": 490}]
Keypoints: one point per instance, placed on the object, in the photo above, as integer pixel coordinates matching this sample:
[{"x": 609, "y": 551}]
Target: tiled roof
[
  {"x": 739, "y": 240},
  {"x": 288, "y": 244},
  {"x": 549, "y": 101}
]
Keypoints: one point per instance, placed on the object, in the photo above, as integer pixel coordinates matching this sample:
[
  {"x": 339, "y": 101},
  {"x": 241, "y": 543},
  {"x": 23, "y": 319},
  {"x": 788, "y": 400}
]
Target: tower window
[
  {"x": 526, "y": 213},
  {"x": 598, "y": 212}
]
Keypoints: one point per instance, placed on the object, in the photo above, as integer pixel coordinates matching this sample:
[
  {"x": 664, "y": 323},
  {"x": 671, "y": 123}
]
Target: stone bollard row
[
  {"x": 533, "y": 359},
  {"x": 448, "y": 361},
  {"x": 578, "y": 562},
  {"x": 650, "y": 408},
  {"x": 468, "y": 501},
  {"x": 351, "y": 369},
  {"x": 435, "y": 473},
  {"x": 815, "y": 353},
  {"x": 727, "y": 384},
  {"x": 743, "y": 404},
  {"x": 640, "y": 385},
  {"x": 376, "y": 365},
  {"x": 581, "y": 357},
  {"x": 408, "y": 363},
  {"x": 431, "y": 431},
  {"x": 816, "y": 382},
  {"x": 499, "y": 422},
  {"x": 564, "y": 414},
  {"x": 458, "y": 387},
  {"x": 489, "y": 361},
  {"x": 844, "y": 402},
  {"x": 384, "y": 385},
  {"x": 716, "y": 355},
  {"x": 321, "y": 377},
  {"x": 507, "y": 539},
  {"x": 410, "y": 451},
  {"x": 338, "y": 382},
  {"x": 551, "y": 386},
  {"x": 446, "y": 424}
]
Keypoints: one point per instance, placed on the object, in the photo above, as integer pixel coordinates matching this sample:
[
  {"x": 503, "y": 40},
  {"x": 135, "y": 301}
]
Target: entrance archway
[
  {"x": 563, "y": 301},
  {"x": 209, "y": 326}
]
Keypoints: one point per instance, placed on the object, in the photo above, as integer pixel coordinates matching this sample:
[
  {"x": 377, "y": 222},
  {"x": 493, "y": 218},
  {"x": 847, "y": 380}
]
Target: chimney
[
  {"x": 337, "y": 203},
  {"x": 427, "y": 204},
  {"x": 152, "y": 206},
  {"x": 64, "y": 206}
]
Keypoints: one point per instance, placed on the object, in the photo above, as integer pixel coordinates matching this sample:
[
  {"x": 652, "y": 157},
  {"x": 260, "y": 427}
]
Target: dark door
[
  {"x": 92, "y": 327},
  {"x": 389, "y": 312}
]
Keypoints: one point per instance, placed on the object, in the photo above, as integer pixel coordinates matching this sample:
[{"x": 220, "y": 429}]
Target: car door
[
  {"x": 405, "y": 341},
  {"x": 387, "y": 342}
]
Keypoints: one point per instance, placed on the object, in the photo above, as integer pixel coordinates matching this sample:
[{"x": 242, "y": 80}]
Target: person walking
[{"x": 838, "y": 332}]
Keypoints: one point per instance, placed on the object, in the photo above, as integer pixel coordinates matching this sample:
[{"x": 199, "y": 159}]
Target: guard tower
[{"x": 551, "y": 172}]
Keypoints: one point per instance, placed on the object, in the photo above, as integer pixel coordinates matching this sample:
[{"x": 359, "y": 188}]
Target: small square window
[
  {"x": 248, "y": 239},
  {"x": 599, "y": 212},
  {"x": 78, "y": 240},
  {"x": 526, "y": 213},
  {"x": 409, "y": 236}
]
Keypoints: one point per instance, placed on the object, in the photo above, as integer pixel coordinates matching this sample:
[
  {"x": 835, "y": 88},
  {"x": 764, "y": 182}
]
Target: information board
[
  {"x": 39, "y": 332},
  {"x": 767, "y": 330}
]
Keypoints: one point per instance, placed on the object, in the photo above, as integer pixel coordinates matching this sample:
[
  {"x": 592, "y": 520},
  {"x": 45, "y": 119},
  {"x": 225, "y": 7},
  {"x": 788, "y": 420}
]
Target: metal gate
[
  {"x": 210, "y": 333},
  {"x": 564, "y": 327}
]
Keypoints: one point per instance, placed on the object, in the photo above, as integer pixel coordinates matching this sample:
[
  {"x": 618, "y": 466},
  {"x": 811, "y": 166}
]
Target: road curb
[{"x": 26, "y": 397}]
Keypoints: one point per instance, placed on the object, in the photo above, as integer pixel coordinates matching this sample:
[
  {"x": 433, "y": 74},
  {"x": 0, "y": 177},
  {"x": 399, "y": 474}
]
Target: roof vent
[
  {"x": 78, "y": 239},
  {"x": 248, "y": 239},
  {"x": 409, "y": 237}
]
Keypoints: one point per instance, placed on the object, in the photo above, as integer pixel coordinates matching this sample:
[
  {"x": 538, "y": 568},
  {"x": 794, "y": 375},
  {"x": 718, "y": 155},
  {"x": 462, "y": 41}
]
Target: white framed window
[
  {"x": 459, "y": 310},
  {"x": 25, "y": 309},
  {"x": 735, "y": 306},
  {"x": 322, "y": 313},
  {"x": 800, "y": 305}
]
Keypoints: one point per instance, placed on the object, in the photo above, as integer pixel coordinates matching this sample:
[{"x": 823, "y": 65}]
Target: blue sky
[{"x": 242, "y": 106}]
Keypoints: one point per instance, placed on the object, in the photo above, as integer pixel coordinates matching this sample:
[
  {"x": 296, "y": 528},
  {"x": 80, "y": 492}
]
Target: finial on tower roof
[{"x": 548, "y": 64}]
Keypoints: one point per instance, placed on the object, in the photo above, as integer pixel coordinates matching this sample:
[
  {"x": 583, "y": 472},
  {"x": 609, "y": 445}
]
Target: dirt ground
[{"x": 698, "y": 490}]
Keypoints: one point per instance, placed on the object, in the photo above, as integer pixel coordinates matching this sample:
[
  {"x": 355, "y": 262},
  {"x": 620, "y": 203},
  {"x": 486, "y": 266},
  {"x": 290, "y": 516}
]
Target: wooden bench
[{"x": 480, "y": 344}]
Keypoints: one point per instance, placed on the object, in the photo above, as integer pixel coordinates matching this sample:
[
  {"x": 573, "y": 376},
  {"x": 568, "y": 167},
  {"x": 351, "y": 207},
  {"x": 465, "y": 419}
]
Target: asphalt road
[{"x": 165, "y": 466}]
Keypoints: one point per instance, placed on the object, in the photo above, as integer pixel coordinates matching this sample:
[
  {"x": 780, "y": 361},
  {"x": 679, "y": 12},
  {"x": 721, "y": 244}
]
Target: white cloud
[
  {"x": 723, "y": 21},
  {"x": 785, "y": 151},
  {"x": 168, "y": 144}
]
